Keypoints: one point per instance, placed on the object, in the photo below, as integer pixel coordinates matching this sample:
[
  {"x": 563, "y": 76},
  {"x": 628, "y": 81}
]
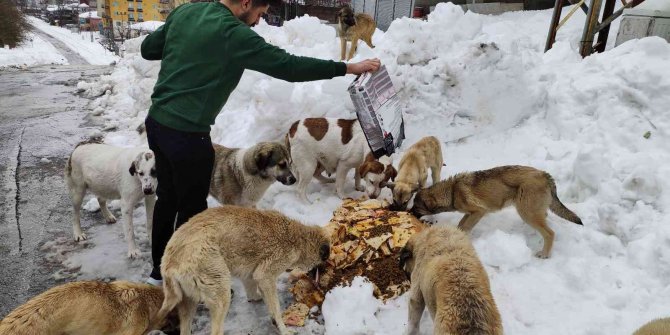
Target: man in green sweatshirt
[{"x": 204, "y": 48}]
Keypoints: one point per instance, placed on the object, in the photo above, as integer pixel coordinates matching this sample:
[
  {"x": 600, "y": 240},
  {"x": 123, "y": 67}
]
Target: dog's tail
[
  {"x": 557, "y": 206},
  {"x": 172, "y": 296}
]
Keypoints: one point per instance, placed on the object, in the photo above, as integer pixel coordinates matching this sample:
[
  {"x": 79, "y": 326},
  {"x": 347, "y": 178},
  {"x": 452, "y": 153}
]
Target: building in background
[{"x": 118, "y": 15}]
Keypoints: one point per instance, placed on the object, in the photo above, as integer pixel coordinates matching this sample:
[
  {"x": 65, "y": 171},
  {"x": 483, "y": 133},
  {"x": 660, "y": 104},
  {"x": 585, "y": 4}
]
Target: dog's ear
[
  {"x": 390, "y": 172},
  {"x": 363, "y": 169},
  {"x": 324, "y": 252},
  {"x": 135, "y": 164},
  {"x": 132, "y": 169},
  {"x": 405, "y": 255},
  {"x": 263, "y": 159}
]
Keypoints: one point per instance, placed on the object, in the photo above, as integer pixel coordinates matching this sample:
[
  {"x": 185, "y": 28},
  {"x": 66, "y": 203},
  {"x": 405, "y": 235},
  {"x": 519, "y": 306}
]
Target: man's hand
[{"x": 368, "y": 65}]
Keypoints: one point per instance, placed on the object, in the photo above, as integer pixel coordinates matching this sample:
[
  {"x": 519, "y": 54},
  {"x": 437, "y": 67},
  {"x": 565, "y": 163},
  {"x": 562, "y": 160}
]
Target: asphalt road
[{"x": 41, "y": 119}]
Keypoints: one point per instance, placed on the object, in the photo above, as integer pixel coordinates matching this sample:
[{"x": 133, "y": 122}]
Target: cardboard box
[{"x": 378, "y": 110}]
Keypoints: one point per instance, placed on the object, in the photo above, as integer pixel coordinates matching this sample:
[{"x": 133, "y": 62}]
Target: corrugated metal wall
[{"x": 384, "y": 11}]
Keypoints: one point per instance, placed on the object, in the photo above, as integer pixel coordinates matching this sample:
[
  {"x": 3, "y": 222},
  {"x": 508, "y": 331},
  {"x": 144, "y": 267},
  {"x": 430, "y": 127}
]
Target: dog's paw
[
  {"x": 110, "y": 220},
  {"x": 134, "y": 253},
  {"x": 542, "y": 255},
  {"x": 80, "y": 237}
]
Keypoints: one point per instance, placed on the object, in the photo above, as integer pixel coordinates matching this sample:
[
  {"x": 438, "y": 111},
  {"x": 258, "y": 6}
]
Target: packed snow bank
[
  {"x": 33, "y": 51},
  {"x": 485, "y": 87},
  {"x": 92, "y": 52}
]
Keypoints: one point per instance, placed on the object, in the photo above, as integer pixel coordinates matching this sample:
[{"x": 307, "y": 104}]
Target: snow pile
[
  {"x": 147, "y": 25},
  {"x": 485, "y": 87},
  {"x": 92, "y": 52},
  {"x": 341, "y": 301},
  {"x": 33, "y": 51}
]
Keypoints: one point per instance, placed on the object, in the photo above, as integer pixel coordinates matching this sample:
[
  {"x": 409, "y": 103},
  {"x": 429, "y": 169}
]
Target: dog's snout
[
  {"x": 148, "y": 191},
  {"x": 398, "y": 206},
  {"x": 288, "y": 179}
]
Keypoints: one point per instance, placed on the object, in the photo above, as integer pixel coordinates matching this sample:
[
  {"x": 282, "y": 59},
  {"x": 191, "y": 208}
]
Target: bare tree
[{"x": 13, "y": 24}]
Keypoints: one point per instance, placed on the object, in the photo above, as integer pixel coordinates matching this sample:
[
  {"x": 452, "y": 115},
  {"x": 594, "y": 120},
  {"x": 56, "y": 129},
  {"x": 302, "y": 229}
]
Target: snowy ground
[
  {"x": 483, "y": 85},
  {"x": 34, "y": 51}
]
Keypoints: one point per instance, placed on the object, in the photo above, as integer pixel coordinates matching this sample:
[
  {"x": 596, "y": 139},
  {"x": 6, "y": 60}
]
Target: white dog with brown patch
[
  {"x": 377, "y": 173},
  {"x": 111, "y": 173},
  {"x": 326, "y": 144}
]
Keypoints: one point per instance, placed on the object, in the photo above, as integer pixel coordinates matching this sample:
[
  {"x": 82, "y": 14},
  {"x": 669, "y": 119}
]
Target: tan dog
[
  {"x": 353, "y": 27},
  {"x": 413, "y": 170},
  {"x": 655, "y": 327},
  {"x": 448, "y": 278},
  {"x": 220, "y": 243},
  {"x": 85, "y": 308},
  {"x": 241, "y": 176},
  {"x": 530, "y": 190}
]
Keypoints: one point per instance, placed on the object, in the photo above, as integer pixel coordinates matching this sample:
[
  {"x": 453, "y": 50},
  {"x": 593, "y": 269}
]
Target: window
[
  {"x": 131, "y": 17},
  {"x": 115, "y": 4},
  {"x": 130, "y": 5},
  {"x": 140, "y": 17}
]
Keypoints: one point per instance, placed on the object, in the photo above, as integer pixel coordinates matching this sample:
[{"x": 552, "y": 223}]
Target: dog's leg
[
  {"x": 533, "y": 210},
  {"x": 127, "y": 214},
  {"x": 319, "y": 176},
  {"x": 343, "y": 47},
  {"x": 77, "y": 196},
  {"x": 106, "y": 214},
  {"x": 306, "y": 170},
  {"x": 368, "y": 41},
  {"x": 149, "y": 204},
  {"x": 251, "y": 288},
  {"x": 416, "y": 307},
  {"x": 218, "y": 307},
  {"x": 354, "y": 45},
  {"x": 357, "y": 181},
  {"x": 469, "y": 221},
  {"x": 436, "y": 170},
  {"x": 340, "y": 178},
  {"x": 186, "y": 310},
  {"x": 268, "y": 287},
  {"x": 538, "y": 221}
]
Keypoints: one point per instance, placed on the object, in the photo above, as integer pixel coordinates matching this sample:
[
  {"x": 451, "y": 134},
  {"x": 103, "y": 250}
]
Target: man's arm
[
  {"x": 255, "y": 54},
  {"x": 153, "y": 44}
]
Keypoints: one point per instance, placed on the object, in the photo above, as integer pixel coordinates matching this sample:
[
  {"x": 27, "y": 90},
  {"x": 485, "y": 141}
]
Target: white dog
[
  {"x": 111, "y": 173},
  {"x": 326, "y": 144}
]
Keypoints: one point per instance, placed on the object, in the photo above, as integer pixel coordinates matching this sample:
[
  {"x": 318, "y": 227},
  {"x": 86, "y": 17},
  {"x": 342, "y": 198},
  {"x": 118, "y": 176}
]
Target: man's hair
[
  {"x": 256, "y": 3},
  {"x": 272, "y": 3}
]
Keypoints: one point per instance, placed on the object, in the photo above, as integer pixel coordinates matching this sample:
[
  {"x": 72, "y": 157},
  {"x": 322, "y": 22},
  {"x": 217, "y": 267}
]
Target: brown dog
[
  {"x": 530, "y": 190},
  {"x": 353, "y": 27},
  {"x": 413, "y": 170},
  {"x": 448, "y": 278},
  {"x": 230, "y": 241},
  {"x": 655, "y": 327},
  {"x": 84, "y": 308}
]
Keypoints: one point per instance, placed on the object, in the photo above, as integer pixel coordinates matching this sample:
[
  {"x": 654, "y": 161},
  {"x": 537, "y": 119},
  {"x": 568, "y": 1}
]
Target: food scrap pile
[{"x": 366, "y": 241}]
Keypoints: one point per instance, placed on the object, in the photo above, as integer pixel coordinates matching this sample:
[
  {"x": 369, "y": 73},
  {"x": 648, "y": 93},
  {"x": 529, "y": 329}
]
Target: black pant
[{"x": 184, "y": 163}]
